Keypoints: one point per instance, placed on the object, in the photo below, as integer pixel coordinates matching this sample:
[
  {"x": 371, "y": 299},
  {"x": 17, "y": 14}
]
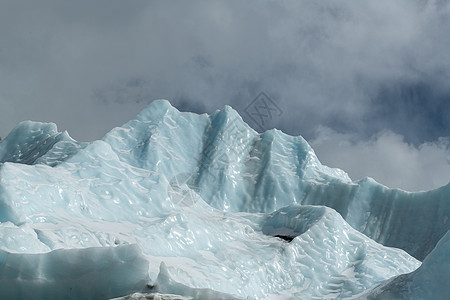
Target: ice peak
[
  {"x": 29, "y": 141},
  {"x": 225, "y": 211}
]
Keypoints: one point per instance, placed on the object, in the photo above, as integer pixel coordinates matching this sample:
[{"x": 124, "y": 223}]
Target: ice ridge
[{"x": 217, "y": 210}]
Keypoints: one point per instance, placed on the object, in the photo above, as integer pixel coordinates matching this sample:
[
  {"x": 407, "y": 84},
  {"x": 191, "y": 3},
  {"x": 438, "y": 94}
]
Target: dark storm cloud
[
  {"x": 359, "y": 67},
  {"x": 419, "y": 110}
]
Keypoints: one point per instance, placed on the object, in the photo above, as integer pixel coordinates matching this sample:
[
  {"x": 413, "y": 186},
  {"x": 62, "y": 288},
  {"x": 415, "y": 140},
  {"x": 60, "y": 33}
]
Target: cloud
[
  {"x": 328, "y": 62},
  {"x": 359, "y": 67},
  {"x": 387, "y": 158}
]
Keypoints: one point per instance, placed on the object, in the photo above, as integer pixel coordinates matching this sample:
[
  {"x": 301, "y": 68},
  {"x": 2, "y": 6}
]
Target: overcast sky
[{"x": 367, "y": 83}]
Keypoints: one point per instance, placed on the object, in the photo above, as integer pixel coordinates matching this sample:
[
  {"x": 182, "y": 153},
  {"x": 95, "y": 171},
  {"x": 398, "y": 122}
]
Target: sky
[{"x": 367, "y": 83}]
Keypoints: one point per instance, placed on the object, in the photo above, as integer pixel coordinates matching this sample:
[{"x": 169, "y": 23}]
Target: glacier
[{"x": 178, "y": 205}]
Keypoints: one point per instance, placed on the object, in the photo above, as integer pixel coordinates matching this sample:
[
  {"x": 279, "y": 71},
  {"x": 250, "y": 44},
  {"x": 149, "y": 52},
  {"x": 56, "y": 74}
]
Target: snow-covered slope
[{"x": 203, "y": 197}]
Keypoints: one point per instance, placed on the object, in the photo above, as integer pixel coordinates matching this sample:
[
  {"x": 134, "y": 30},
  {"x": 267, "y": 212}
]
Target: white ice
[{"x": 198, "y": 201}]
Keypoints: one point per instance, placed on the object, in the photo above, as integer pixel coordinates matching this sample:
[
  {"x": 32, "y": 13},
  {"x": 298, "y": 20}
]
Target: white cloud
[
  {"x": 92, "y": 65},
  {"x": 387, "y": 158}
]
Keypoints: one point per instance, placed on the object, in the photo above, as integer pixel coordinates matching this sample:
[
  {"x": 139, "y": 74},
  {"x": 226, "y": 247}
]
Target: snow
[{"x": 195, "y": 204}]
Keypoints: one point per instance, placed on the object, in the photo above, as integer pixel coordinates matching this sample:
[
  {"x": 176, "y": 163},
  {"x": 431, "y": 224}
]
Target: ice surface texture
[
  {"x": 218, "y": 211},
  {"x": 91, "y": 273},
  {"x": 429, "y": 281}
]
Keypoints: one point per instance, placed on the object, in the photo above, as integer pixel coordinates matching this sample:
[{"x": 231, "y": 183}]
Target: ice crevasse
[{"x": 204, "y": 207}]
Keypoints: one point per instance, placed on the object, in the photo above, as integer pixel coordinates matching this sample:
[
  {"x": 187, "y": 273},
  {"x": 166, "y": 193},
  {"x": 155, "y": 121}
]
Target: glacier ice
[
  {"x": 429, "y": 281},
  {"x": 208, "y": 208},
  {"x": 91, "y": 273}
]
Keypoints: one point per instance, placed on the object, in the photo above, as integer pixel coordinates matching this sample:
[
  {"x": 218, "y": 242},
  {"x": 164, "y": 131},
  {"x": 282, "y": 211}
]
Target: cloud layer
[
  {"x": 359, "y": 67},
  {"x": 387, "y": 158}
]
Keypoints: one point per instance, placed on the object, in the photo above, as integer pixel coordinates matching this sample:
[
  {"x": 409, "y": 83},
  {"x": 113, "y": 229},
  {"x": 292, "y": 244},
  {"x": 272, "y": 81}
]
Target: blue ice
[{"x": 204, "y": 207}]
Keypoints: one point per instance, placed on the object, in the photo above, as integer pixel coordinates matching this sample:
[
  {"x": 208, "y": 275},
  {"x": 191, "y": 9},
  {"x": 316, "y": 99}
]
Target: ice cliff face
[
  {"x": 430, "y": 281},
  {"x": 202, "y": 206}
]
